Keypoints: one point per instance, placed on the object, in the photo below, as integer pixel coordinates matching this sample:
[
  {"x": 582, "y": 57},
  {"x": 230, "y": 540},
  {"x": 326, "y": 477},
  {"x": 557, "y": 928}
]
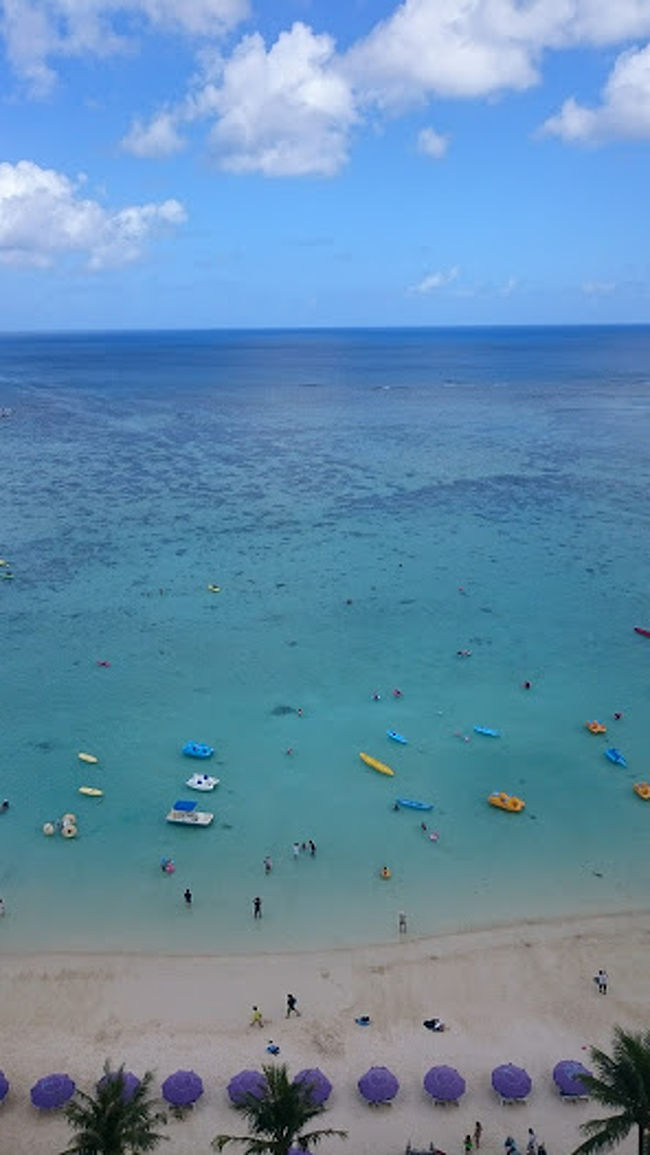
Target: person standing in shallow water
[
  {"x": 188, "y": 896},
  {"x": 257, "y": 907}
]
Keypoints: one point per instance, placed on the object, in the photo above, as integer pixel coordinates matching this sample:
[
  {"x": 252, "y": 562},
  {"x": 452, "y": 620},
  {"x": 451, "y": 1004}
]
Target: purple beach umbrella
[
  {"x": 4, "y": 1086},
  {"x": 130, "y": 1083},
  {"x": 444, "y": 1084},
  {"x": 378, "y": 1085},
  {"x": 183, "y": 1088},
  {"x": 52, "y": 1091},
  {"x": 566, "y": 1076},
  {"x": 316, "y": 1083},
  {"x": 511, "y": 1082},
  {"x": 246, "y": 1083}
]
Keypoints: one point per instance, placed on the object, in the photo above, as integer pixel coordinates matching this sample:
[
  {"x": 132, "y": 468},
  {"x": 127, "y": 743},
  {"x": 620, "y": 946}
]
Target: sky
[{"x": 292, "y": 163}]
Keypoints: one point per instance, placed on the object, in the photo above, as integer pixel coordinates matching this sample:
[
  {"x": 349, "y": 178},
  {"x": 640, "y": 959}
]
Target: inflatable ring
[
  {"x": 69, "y": 831},
  {"x": 48, "y": 828},
  {"x": 69, "y": 819}
]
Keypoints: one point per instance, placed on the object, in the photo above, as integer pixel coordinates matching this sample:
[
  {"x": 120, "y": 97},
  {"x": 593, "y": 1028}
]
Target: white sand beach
[{"x": 521, "y": 993}]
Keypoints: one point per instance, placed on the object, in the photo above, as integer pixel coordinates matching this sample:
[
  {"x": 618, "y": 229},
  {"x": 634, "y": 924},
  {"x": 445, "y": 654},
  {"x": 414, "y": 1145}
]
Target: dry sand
[{"x": 521, "y": 993}]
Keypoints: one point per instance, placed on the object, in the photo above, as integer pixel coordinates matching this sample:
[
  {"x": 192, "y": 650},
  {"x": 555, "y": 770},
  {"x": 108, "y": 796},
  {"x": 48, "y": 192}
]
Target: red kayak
[{"x": 640, "y": 630}]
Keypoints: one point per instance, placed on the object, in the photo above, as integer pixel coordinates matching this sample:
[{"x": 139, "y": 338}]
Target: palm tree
[
  {"x": 278, "y": 1118},
  {"x": 622, "y": 1082},
  {"x": 112, "y": 1123}
]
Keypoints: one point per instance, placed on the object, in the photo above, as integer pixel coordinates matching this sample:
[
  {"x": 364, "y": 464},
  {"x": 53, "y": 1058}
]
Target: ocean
[{"x": 369, "y": 504}]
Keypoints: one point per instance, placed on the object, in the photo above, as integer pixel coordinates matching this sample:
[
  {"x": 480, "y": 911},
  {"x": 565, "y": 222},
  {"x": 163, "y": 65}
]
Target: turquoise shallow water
[{"x": 340, "y": 488}]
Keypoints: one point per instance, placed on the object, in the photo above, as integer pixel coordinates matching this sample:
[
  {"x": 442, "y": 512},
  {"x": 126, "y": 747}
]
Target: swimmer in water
[
  {"x": 526, "y": 685},
  {"x": 397, "y": 693}
]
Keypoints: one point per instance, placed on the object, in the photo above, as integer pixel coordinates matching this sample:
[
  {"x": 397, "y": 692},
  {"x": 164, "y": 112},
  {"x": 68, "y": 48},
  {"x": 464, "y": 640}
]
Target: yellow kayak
[
  {"x": 376, "y": 764},
  {"x": 87, "y": 758},
  {"x": 91, "y": 791}
]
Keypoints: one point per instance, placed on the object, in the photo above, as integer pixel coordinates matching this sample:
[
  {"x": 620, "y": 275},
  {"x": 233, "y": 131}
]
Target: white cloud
[
  {"x": 473, "y": 48},
  {"x": 159, "y": 138},
  {"x": 43, "y": 216},
  {"x": 507, "y": 289},
  {"x": 35, "y": 31},
  {"x": 432, "y": 143},
  {"x": 624, "y": 111},
  {"x": 598, "y": 288},
  {"x": 285, "y": 112},
  {"x": 435, "y": 281},
  {"x": 451, "y": 48}
]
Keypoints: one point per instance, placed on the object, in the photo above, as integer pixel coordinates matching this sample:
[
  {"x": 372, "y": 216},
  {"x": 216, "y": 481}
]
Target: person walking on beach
[
  {"x": 468, "y": 1145},
  {"x": 256, "y": 1018},
  {"x": 478, "y": 1131},
  {"x": 401, "y": 922},
  {"x": 531, "y": 1144},
  {"x": 257, "y": 907},
  {"x": 187, "y": 896},
  {"x": 602, "y": 980},
  {"x": 292, "y": 1006}
]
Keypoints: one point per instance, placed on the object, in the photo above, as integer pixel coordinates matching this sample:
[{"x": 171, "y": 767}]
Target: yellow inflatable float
[
  {"x": 643, "y": 790},
  {"x": 381, "y": 767},
  {"x": 506, "y": 801},
  {"x": 596, "y": 727}
]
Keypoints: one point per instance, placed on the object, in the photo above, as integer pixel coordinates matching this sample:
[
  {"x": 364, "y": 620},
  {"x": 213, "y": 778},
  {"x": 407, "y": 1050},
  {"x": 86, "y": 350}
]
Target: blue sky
[{"x": 217, "y": 163}]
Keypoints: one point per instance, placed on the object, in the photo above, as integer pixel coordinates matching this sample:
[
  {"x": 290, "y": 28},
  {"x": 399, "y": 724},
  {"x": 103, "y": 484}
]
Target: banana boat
[{"x": 376, "y": 764}]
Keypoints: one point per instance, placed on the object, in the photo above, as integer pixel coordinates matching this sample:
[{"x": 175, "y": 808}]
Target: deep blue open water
[{"x": 339, "y": 486}]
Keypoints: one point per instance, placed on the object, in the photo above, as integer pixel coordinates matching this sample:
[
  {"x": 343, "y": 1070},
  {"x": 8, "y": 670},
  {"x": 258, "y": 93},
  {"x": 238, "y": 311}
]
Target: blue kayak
[
  {"x": 198, "y": 750},
  {"x": 397, "y": 737},
  {"x": 486, "y": 730},
  {"x": 413, "y": 804},
  {"x": 615, "y": 755}
]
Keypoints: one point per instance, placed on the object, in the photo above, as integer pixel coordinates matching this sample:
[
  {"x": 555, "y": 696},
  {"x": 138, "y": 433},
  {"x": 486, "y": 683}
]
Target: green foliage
[
  {"x": 276, "y": 1121},
  {"x": 622, "y": 1084},
  {"x": 108, "y": 1124}
]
